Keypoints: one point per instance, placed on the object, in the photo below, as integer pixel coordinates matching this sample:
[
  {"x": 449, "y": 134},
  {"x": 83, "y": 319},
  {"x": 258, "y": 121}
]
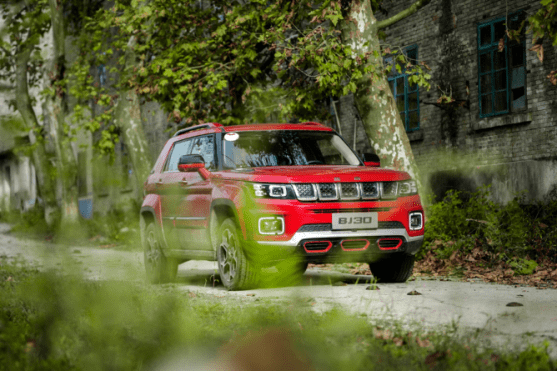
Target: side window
[
  {"x": 501, "y": 67},
  {"x": 406, "y": 95},
  {"x": 205, "y": 146},
  {"x": 179, "y": 149}
]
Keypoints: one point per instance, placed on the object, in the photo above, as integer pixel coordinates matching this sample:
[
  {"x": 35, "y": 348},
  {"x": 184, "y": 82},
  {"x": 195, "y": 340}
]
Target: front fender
[{"x": 151, "y": 208}]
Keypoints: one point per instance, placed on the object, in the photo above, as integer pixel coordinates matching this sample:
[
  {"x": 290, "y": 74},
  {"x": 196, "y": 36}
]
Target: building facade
[{"x": 501, "y": 128}]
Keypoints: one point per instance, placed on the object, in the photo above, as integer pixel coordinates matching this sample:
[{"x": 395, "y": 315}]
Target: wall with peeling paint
[{"x": 514, "y": 151}]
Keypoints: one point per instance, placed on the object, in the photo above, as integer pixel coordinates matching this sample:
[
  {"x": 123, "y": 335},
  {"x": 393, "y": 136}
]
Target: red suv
[{"x": 251, "y": 196}]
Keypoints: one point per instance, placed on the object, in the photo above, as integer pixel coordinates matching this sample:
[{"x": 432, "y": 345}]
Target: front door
[
  {"x": 170, "y": 188},
  {"x": 192, "y": 219}
]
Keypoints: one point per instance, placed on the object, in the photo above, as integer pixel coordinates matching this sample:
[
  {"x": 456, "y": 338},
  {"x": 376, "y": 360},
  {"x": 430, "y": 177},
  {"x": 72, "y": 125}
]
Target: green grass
[{"x": 53, "y": 322}]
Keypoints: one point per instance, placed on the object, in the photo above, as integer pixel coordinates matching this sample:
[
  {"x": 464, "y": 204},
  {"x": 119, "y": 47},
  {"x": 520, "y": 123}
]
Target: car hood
[{"x": 313, "y": 174}]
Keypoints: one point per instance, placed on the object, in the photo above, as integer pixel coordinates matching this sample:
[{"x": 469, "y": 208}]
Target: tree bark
[
  {"x": 57, "y": 110},
  {"x": 127, "y": 117},
  {"x": 402, "y": 14},
  {"x": 374, "y": 99},
  {"x": 43, "y": 168}
]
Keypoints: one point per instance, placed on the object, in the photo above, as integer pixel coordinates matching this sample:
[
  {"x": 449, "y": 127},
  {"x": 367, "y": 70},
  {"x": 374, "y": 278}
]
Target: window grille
[
  {"x": 407, "y": 95},
  {"x": 501, "y": 68}
]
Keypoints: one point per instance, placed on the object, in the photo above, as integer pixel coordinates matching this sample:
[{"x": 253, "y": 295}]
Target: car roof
[{"x": 270, "y": 127}]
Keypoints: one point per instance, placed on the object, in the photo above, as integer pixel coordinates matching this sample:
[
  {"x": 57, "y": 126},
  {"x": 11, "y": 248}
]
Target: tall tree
[
  {"x": 127, "y": 117},
  {"x": 25, "y": 22},
  {"x": 57, "y": 111},
  {"x": 373, "y": 98}
]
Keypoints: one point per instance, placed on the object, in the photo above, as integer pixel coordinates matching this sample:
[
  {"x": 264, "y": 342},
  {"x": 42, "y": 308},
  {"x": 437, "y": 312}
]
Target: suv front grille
[
  {"x": 345, "y": 191},
  {"x": 305, "y": 191},
  {"x": 370, "y": 190},
  {"x": 349, "y": 191},
  {"x": 327, "y": 191}
]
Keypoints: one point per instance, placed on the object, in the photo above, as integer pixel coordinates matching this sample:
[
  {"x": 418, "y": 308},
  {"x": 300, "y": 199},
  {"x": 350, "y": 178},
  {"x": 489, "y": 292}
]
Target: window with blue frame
[
  {"x": 101, "y": 69},
  {"x": 501, "y": 68},
  {"x": 407, "y": 96}
]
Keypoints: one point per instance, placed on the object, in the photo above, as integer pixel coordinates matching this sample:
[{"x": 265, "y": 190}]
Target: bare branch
[{"x": 403, "y": 14}]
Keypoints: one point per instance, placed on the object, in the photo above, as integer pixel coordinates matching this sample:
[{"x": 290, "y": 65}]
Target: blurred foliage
[
  {"x": 31, "y": 223},
  {"x": 525, "y": 232},
  {"x": 52, "y": 322},
  {"x": 119, "y": 226},
  {"x": 24, "y": 23},
  {"x": 543, "y": 26}
]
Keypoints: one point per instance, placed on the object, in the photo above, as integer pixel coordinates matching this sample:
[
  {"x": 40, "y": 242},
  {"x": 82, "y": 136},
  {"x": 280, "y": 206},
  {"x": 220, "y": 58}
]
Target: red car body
[{"x": 187, "y": 206}]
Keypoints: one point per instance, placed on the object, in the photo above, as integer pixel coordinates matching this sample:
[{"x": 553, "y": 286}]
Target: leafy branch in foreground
[{"x": 52, "y": 322}]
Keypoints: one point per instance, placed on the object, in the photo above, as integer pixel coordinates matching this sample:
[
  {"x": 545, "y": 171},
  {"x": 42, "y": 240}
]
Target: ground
[{"x": 507, "y": 316}]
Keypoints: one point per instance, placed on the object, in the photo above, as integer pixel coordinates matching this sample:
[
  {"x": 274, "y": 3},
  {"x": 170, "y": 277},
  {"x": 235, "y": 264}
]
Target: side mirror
[
  {"x": 371, "y": 160},
  {"x": 191, "y": 163}
]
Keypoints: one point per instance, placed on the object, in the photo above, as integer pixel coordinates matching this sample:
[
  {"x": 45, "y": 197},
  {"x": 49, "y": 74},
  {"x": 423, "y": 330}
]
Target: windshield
[{"x": 284, "y": 148}]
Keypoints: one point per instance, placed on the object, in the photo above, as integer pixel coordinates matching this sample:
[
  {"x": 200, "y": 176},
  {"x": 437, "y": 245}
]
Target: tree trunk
[
  {"x": 43, "y": 168},
  {"x": 127, "y": 117},
  {"x": 58, "y": 113},
  {"x": 374, "y": 99}
]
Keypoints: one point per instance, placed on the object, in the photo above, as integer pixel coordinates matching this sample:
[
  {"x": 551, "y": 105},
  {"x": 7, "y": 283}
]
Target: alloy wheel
[
  {"x": 153, "y": 254},
  {"x": 228, "y": 261}
]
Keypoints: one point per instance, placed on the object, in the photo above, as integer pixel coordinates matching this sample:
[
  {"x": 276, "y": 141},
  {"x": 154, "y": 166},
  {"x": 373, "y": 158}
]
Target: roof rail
[
  {"x": 196, "y": 127},
  {"x": 313, "y": 123}
]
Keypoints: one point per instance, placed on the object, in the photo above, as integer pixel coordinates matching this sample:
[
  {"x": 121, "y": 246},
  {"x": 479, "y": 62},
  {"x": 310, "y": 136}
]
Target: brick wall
[{"x": 445, "y": 32}]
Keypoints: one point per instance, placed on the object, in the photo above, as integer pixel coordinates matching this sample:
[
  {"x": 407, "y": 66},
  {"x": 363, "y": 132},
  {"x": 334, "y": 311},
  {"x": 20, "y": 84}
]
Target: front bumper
[{"x": 343, "y": 246}]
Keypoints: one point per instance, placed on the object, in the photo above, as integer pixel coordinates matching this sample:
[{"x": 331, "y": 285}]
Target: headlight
[
  {"x": 392, "y": 190},
  {"x": 389, "y": 190},
  {"x": 407, "y": 187},
  {"x": 276, "y": 191}
]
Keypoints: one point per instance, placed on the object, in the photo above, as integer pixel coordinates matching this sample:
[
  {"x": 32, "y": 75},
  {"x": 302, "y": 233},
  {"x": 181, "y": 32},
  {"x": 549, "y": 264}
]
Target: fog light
[
  {"x": 271, "y": 225},
  {"x": 416, "y": 221}
]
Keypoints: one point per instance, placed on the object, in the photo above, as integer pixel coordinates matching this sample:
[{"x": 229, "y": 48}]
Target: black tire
[
  {"x": 235, "y": 270},
  {"x": 395, "y": 269},
  {"x": 158, "y": 267}
]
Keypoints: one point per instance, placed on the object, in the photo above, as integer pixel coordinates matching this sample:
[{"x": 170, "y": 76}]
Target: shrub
[{"x": 518, "y": 229}]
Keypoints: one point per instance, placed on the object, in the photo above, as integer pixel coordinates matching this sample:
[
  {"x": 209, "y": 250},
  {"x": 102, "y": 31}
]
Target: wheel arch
[
  {"x": 148, "y": 214},
  {"x": 221, "y": 209}
]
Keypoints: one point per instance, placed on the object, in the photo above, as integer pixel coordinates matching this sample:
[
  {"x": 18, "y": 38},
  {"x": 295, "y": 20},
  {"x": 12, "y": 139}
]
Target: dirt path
[{"x": 480, "y": 307}]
